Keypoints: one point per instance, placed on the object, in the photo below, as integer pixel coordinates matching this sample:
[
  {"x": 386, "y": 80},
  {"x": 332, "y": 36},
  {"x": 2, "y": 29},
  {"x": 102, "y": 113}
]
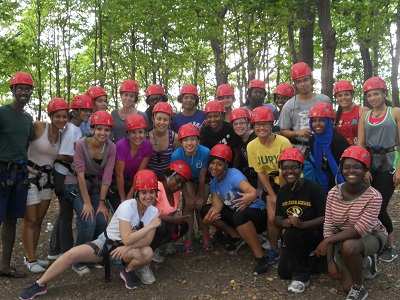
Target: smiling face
[
  {"x": 176, "y": 183},
  {"x": 344, "y": 99},
  {"x": 102, "y": 132},
  {"x": 128, "y": 99},
  {"x": 137, "y": 136},
  {"x": 262, "y": 129},
  {"x": 22, "y": 93},
  {"x": 280, "y": 100},
  {"x": 190, "y": 144},
  {"x": 84, "y": 113},
  {"x": 291, "y": 171},
  {"x": 227, "y": 100},
  {"x": 100, "y": 103},
  {"x": 161, "y": 121},
  {"x": 188, "y": 101},
  {"x": 215, "y": 119},
  {"x": 216, "y": 167},
  {"x": 59, "y": 118},
  {"x": 318, "y": 124},
  {"x": 375, "y": 98},
  {"x": 353, "y": 171},
  {"x": 146, "y": 198},
  {"x": 240, "y": 126}
]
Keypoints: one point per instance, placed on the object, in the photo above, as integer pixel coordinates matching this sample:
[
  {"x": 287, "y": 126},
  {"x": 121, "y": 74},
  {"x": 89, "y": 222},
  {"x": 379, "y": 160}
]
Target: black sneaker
[
  {"x": 131, "y": 280},
  {"x": 234, "y": 245},
  {"x": 261, "y": 266},
  {"x": 33, "y": 291},
  {"x": 357, "y": 292}
]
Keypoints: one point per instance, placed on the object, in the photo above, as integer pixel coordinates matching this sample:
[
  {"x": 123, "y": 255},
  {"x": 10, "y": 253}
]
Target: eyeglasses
[
  {"x": 239, "y": 124},
  {"x": 291, "y": 168},
  {"x": 301, "y": 81},
  {"x": 356, "y": 168},
  {"x": 26, "y": 90},
  {"x": 265, "y": 125}
]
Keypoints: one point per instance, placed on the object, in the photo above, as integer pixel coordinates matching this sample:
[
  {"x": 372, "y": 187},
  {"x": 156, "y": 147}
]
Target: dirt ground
[{"x": 201, "y": 275}]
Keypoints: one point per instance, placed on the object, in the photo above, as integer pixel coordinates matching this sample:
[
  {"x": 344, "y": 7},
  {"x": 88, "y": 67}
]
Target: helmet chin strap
[
  {"x": 225, "y": 170},
  {"x": 169, "y": 178}
]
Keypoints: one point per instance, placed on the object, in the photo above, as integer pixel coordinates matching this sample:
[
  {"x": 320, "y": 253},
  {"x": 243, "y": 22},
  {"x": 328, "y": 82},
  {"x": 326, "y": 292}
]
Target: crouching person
[
  {"x": 133, "y": 226},
  {"x": 300, "y": 210},
  {"x": 353, "y": 233}
]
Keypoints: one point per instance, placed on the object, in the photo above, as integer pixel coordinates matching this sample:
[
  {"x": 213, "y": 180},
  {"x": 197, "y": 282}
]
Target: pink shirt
[{"x": 163, "y": 203}]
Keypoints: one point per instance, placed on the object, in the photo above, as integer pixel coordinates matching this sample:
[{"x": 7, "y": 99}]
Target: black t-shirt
[
  {"x": 307, "y": 203},
  {"x": 225, "y": 136}
]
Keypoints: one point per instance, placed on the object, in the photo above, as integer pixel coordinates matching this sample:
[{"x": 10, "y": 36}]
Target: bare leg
[
  {"x": 28, "y": 231},
  {"x": 273, "y": 232},
  {"x": 249, "y": 234},
  {"x": 351, "y": 252},
  {"x": 137, "y": 258}
]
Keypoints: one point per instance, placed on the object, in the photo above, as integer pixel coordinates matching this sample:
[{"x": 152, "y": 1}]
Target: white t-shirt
[
  {"x": 69, "y": 136},
  {"x": 128, "y": 211}
]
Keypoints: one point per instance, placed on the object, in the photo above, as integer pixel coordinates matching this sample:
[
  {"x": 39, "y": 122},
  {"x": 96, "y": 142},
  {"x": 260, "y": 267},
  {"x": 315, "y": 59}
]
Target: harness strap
[
  {"x": 106, "y": 255},
  {"x": 380, "y": 150}
]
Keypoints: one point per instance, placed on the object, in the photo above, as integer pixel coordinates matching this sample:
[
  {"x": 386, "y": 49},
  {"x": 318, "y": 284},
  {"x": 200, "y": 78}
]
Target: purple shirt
[{"x": 132, "y": 163}]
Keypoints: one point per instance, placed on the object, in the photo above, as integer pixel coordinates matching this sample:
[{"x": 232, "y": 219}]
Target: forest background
[{"x": 69, "y": 45}]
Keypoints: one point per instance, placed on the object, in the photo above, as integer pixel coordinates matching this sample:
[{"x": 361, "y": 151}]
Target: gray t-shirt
[
  {"x": 119, "y": 130},
  {"x": 294, "y": 115}
]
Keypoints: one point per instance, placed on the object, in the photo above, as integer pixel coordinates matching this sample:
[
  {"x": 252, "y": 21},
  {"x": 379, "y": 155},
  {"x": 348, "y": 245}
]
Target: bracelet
[{"x": 102, "y": 200}]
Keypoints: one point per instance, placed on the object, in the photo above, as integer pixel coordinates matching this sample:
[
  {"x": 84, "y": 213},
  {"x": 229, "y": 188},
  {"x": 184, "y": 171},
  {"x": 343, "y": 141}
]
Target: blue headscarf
[{"x": 322, "y": 145}]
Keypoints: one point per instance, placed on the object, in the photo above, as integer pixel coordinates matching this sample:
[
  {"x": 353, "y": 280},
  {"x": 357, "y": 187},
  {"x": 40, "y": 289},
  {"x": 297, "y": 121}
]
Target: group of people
[{"x": 318, "y": 182}]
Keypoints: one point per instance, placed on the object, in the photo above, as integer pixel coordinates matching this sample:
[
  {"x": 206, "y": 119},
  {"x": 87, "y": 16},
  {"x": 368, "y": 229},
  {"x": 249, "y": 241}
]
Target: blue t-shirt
[
  {"x": 198, "y": 162},
  {"x": 228, "y": 188},
  {"x": 85, "y": 128},
  {"x": 179, "y": 119}
]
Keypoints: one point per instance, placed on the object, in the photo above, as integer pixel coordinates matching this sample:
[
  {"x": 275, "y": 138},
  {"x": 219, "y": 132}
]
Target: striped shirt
[
  {"x": 360, "y": 213},
  {"x": 159, "y": 161}
]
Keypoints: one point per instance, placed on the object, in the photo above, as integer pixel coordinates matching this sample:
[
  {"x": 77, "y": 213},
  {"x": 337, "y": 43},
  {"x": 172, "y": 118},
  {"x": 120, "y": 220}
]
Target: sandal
[{"x": 13, "y": 273}]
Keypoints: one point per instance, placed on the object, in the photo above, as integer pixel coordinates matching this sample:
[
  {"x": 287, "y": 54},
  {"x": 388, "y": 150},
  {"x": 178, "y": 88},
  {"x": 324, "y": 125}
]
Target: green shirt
[{"x": 15, "y": 133}]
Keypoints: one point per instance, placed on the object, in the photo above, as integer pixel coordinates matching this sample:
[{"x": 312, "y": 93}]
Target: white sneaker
[
  {"x": 81, "y": 269},
  {"x": 96, "y": 266},
  {"x": 372, "y": 270},
  {"x": 157, "y": 257},
  {"x": 146, "y": 275},
  {"x": 34, "y": 266},
  {"x": 53, "y": 257},
  {"x": 170, "y": 248},
  {"x": 267, "y": 245},
  {"x": 298, "y": 286},
  {"x": 43, "y": 263}
]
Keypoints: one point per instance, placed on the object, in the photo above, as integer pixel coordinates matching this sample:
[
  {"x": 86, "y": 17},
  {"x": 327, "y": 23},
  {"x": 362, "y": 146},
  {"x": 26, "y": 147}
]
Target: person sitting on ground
[
  {"x": 132, "y": 227},
  {"x": 353, "y": 234},
  {"x": 300, "y": 210},
  {"x": 235, "y": 208}
]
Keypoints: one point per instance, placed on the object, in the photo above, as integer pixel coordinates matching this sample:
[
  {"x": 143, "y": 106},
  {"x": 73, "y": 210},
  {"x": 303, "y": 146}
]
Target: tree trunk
[
  {"x": 38, "y": 60},
  {"x": 306, "y": 43},
  {"x": 329, "y": 44}
]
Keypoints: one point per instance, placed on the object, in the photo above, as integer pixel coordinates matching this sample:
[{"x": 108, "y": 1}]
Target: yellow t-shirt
[{"x": 264, "y": 159}]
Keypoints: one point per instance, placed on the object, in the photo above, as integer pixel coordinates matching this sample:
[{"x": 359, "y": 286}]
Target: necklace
[{"x": 377, "y": 114}]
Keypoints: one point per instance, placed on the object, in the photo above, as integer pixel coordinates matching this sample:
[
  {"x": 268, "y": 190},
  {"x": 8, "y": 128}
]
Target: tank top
[
  {"x": 347, "y": 125},
  {"x": 41, "y": 151},
  {"x": 159, "y": 161},
  {"x": 382, "y": 134}
]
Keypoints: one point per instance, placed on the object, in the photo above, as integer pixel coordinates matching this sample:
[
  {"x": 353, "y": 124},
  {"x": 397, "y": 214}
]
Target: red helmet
[
  {"x": 342, "y": 85},
  {"x": 163, "y": 107},
  {"x": 155, "y": 89},
  {"x": 21, "y": 78},
  {"x": 225, "y": 90},
  {"x": 214, "y": 106},
  {"x": 129, "y": 85},
  {"x": 239, "y": 113},
  {"x": 189, "y": 89},
  {"x": 95, "y": 91},
  {"x": 56, "y": 104},
  {"x": 291, "y": 154},
  {"x": 374, "y": 83},
  {"x": 222, "y": 151},
  {"x": 359, "y": 153},
  {"x": 322, "y": 110},
  {"x": 145, "y": 180},
  {"x": 102, "y": 117},
  {"x": 81, "y": 101},
  {"x": 182, "y": 168},
  {"x": 257, "y": 83},
  {"x": 285, "y": 89},
  {"x": 299, "y": 70},
  {"x": 135, "y": 121},
  {"x": 188, "y": 130},
  {"x": 261, "y": 114}
]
